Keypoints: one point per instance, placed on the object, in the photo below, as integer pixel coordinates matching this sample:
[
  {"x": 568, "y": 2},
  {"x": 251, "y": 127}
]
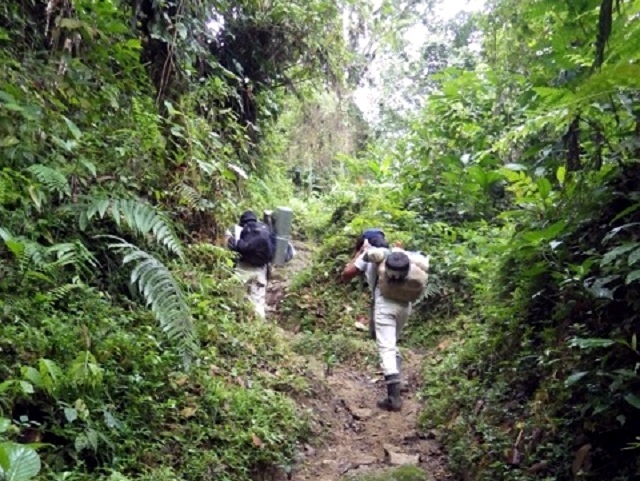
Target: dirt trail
[{"x": 357, "y": 436}]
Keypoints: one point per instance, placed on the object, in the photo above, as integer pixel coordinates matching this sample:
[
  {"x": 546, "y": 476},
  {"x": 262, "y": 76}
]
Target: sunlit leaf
[
  {"x": 574, "y": 378},
  {"x": 73, "y": 128},
  {"x": 590, "y": 343},
  {"x": 632, "y": 276}
]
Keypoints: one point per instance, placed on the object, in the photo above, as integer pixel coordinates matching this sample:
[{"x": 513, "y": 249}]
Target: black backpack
[{"x": 255, "y": 245}]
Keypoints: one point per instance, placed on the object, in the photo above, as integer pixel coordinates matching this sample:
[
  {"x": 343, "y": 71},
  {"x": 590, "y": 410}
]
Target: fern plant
[
  {"x": 11, "y": 182},
  {"x": 32, "y": 257},
  {"x": 153, "y": 279},
  {"x": 138, "y": 216},
  {"x": 163, "y": 295},
  {"x": 193, "y": 199},
  {"x": 53, "y": 180}
]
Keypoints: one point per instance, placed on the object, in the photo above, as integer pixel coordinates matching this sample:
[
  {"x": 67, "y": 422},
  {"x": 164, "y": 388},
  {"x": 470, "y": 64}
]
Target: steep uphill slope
[{"x": 357, "y": 440}]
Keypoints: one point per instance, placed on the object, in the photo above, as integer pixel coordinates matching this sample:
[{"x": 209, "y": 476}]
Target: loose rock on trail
[{"x": 356, "y": 437}]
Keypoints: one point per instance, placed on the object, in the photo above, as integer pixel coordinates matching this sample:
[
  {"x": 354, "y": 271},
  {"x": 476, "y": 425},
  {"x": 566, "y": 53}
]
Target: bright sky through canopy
[{"x": 367, "y": 96}]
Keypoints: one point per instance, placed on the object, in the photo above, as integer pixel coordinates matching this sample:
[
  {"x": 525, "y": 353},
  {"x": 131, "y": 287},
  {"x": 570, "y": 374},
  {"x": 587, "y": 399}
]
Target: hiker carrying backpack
[
  {"x": 395, "y": 278},
  {"x": 255, "y": 245},
  {"x": 253, "y": 241}
]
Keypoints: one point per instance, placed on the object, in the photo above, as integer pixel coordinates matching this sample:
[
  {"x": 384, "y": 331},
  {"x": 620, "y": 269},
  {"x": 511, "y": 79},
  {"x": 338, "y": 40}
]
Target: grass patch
[
  {"x": 334, "y": 349},
  {"x": 403, "y": 473}
]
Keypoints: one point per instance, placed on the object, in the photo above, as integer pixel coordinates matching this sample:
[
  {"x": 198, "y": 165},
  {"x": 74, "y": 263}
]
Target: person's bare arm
[{"x": 350, "y": 270}]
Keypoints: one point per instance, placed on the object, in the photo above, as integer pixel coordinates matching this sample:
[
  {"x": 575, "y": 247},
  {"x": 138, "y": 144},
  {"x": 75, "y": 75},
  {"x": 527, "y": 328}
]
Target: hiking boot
[
  {"x": 393, "y": 401},
  {"x": 404, "y": 385}
]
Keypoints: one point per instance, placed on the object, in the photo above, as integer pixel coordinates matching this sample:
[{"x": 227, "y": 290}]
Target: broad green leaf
[
  {"x": 632, "y": 276},
  {"x": 18, "y": 462},
  {"x": 90, "y": 166},
  {"x": 537, "y": 269},
  {"x": 70, "y": 23},
  {"x": 32, "y": 375},
  {"x": 12, "y": 107},
  {"x": 8, "y": 141},
  {"x": 616, "y": 252},
  {"x": 633, "y": 399},
  {"x": 26, "y": 387},
  {"x": 549, "y": 233},
  {"x": 598, "y": 288},
  {"x": 634, "y": 257},
  {"x": 71, "y": 414},
  {"x": 238, "y": 170},
  {"x": 134, "y": 43},
  {"x": 6, "y": 385},
  {"x": 50, "y": 374},
  {"x": 182, "y": 30},
  {"x": 544, "y": 187},
  {"x": 73, "y": 128},
  {"x": 36, "y": 196},
  {"x": 5, "y": 424},
  {"x": 574, "y": 378}
]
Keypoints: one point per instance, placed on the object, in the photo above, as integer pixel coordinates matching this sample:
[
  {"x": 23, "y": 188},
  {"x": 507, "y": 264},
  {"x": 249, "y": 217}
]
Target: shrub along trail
[{"x": 356, "y": 440}]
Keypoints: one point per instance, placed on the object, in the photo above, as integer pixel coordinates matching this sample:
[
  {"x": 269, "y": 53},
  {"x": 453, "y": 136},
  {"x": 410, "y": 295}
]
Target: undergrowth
[{"x": 97, "y": 384}]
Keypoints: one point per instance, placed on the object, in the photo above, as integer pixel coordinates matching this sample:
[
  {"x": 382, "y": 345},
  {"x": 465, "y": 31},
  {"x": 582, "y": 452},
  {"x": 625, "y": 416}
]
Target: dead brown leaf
[
  {"x": 188, "y": 411},
  {"x": 256, "y": 440},
  {"x": 581, "y": 459}
]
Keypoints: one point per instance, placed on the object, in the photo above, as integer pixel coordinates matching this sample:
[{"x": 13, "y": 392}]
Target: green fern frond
[
  {"x": 139, "y": 216},
  {"x": 163, "y": 295},
  {"x": 53, "y": 180},
  {"x": 33, "y": 257},
  {"x": 28, "y": 254},
  {"x": 72, "y": 253},
  {"x": 193, "y": 199},
  {"x": 190, "y": 196},
  {"x": 8, "y": 190},
  {"x": 63, "y": 291},
  {"x": 432, "y": 289}
]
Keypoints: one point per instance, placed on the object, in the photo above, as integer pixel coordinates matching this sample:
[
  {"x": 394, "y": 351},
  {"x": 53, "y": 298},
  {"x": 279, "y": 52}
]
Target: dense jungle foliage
[
  {"x": 519, "y": 174},
  {"x": 132, "y": 133}
]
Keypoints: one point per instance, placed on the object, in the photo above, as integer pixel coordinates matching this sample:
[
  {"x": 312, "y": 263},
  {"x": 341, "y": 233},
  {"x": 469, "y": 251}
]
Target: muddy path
[{"x": 355, "y": 437}]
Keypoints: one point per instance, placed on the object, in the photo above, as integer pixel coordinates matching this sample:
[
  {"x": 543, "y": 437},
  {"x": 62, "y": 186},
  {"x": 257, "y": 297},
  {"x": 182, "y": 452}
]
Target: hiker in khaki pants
[{"x": 389, "y": 318}]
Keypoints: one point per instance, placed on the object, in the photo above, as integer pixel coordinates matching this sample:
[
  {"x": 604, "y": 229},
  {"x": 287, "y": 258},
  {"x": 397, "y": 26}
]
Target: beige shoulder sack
[{"x": 409, "y": 289}]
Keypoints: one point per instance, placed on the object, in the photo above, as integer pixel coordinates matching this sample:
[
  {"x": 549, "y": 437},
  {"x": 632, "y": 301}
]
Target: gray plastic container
[{"x": 283, "y": 217}]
